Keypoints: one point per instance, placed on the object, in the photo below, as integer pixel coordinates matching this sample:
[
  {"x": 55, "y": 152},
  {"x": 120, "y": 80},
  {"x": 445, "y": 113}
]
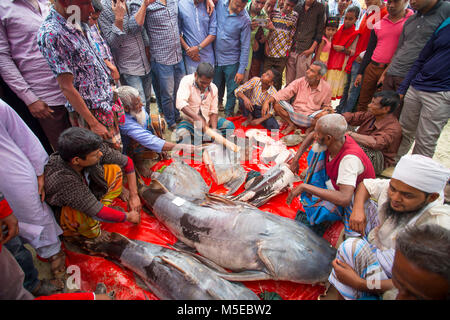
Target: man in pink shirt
[
  {"x": 311, "y": 93},
  {"x": 25, "y": 70},
  {"x": 380, "y": 50}
]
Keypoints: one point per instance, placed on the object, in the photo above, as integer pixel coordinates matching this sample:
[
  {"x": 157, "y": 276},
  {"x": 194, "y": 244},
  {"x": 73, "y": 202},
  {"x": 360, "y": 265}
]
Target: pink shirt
[
  {"x": 388, "y": 34},
  {"x": 307, "y": 100},
  {"x": 189, "y": 95},
  {"x": 22, "y": 65}
]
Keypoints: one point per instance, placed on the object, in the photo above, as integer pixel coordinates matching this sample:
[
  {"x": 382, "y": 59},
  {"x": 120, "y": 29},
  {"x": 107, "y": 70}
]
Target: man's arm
[
  {"x": 342, "y": 198},
  {"x": 65, "y": 81},
  {"x": 13, "y": 77},
  {"x": 245, "y": 51},
  {"x": 303, "y": 147},
  {"x": 140, "y": 14},
  {"x": 111, "y": 23}
]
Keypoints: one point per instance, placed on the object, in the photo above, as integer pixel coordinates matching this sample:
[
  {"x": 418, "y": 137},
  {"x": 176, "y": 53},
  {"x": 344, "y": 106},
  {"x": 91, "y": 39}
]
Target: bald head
[{"x": 332, "y": 124}]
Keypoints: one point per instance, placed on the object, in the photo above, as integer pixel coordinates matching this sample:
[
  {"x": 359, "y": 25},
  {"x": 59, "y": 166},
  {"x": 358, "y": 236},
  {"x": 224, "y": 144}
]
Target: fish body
[
  {"x": 169, "y": 274},
  {"x": 242, "y": 238},
  {"x": 265, "y": 187}
]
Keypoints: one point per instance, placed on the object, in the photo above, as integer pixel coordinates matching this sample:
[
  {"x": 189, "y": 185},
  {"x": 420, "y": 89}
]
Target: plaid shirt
[
  {"x": 127, "y": 46},
  {"x": 257, "y": 95},
  {"x": 280, "y": 39},
  {"x": 161, "y": 24}
]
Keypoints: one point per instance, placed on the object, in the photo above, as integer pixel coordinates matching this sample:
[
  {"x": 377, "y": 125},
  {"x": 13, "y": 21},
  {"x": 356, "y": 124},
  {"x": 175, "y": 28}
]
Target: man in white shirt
[{"x": 413, "y": 197}]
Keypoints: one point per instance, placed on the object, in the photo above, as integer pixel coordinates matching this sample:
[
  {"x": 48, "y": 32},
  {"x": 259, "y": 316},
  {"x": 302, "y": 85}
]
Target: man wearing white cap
[{"x": 413, "y": 197}]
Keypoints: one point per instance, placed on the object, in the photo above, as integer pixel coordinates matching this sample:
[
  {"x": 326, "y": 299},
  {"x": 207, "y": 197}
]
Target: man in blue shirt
[
  {"x": 198, "y": 31},
  {"x": 232, "y": 47},
  {"x": 138, "y": 140},
  {"x": 426, "y": 108}
]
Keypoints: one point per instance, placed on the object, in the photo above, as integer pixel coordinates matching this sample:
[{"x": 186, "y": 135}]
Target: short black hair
[
  {"x": 355, "y": 10},
  {"x": 205, "y": 69},
  {"x": 276, "y": 74},
  {"x": 292, "y": 1},
  {"x": 388, "y": 99},
  {"x": 332, "y": 22},
  {"x": 77, "y": 142}
]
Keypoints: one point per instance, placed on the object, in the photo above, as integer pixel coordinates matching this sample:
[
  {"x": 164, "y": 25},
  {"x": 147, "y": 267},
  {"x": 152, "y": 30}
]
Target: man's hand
[
  {"x": 114, "y": 72},
  {"x": 119, "y": 8},
  {"x": 133, "y": 217},
  {"x": 238, "y": 78},
  {"x": 134, "y": 203},
  {"x": 381, "y": 80},
  {"x": 345, "y": 274},
  {"x": 294, "y": 166},
  {"x": 255, "y": 46},
  {"x": 358, "y": 80},
  {"x": 101, "y": 130},
  {"x": 12, "y": 225},
  {"x": 270, "y": 25},
  {"x": 248, "y": 104},
  {"x": 210, "y": 6},
  {"x": 402, "y": 96},
  {"x": 193, "y": 53},
  {"x": 294, "y": 193},
  {"x": 39, "y": 109},
  {"x": 307, "y": 53},
  {"x": 41, "y": 191},
  {"x": 357, "y": 221}
]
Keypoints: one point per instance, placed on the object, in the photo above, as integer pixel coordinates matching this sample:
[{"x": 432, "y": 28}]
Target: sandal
[
  {"x": 58, "y": 264},
  {"x": 48, "y": 287}
]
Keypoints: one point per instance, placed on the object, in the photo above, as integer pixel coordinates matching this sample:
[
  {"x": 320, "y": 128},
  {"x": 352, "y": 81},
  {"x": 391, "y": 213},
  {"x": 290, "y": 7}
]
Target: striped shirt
[
  {"x": 280, "y": 39},
  {"x": 161, "y": 24},
  {"x": 257, "y": 95},
  {"x": 127, "y": 46}
]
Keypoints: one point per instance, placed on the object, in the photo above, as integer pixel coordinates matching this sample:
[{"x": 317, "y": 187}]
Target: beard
[
  {"x": 318, "y": 148},
  {"x": 400, "y": 217},
  {"x": 140, "y": 117}
]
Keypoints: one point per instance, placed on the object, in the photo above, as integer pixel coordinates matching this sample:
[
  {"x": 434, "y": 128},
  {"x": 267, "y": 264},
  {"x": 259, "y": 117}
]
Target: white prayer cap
[{"x": 422, "y": 173}]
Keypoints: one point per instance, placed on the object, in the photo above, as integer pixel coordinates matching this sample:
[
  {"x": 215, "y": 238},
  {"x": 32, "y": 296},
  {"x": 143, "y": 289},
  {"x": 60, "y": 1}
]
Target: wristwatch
[{"x": 199, "y": 48}]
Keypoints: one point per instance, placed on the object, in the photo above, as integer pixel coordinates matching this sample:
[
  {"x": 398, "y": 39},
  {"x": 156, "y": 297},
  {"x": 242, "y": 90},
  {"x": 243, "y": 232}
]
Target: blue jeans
[
  {"x": 227, "y": 73},
  {"x": 269, "y": 124},
  {"x": 166, "y": 81},
  {"x": 25, "y": 260},
  {"x": 143, "y": 84},
  {"x": 186, "y": 133},
  {"x": 351, "y": 93}
]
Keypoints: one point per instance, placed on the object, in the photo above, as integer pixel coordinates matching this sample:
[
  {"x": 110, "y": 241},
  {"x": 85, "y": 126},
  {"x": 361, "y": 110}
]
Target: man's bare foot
[{"x": 288, "y": 130}]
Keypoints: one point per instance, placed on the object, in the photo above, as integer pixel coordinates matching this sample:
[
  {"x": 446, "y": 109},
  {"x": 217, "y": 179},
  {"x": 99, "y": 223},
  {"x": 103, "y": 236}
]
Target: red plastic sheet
[{"x": 122, "y": 281}]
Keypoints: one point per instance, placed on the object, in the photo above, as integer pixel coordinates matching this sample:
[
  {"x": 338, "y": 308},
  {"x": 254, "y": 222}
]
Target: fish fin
[
  {"x": 174, "y": 265},
  {"x": 181, "y": 246},
  {"x": 215, "y": 198},
  {"x": 157, "y": 187},
  {"x": 234, "y": 184},
  {"x": 245, "y": 276},
  {"x": 268, "y": 264},
  {"x": 209, "y": 263}
]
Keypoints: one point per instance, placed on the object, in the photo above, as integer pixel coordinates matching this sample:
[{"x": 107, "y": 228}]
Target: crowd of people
[{"x": 89, "y": 70}]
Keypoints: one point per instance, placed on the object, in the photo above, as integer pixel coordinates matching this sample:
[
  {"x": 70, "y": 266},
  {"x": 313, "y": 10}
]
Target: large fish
[
  {"x": 169, "y": 274},
  {"x": 263, "y": 188},
  {"x": 183, "y": 180},
  {"x": 224, "y": 166},
  {"x": 242, "y": 238}
]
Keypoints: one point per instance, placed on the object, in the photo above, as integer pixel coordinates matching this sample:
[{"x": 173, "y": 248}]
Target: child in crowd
[
  {"x": 252, "y": 96},
  {"x": 323, "y": 51},
  {"x": 342, "y": 47}
]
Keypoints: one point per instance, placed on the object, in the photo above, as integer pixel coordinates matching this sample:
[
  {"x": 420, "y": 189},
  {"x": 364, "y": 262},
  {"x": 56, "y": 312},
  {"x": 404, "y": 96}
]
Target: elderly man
[
  {"x": 421, "y": 269},
  {"x": 198, "y": 31},
  {"x": 363, "y": 265},
  {"x": 311, "y": 93},
  {"x": 79, "y": 69},
  {"x": 336, "y": 165},
  {"x": 83, "y": 178},
  {"x": 139, "y": 140},
  {"x": 25, "y": 70},
  {"x": 232, "y": 47},
  {"x": 160, "y": 20},
  {"x": 197, "y": 100},
  {"x": 129, "y": 44},
  {"x": 22, "y": 183},
  {"x": 379, "y": 133}
]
